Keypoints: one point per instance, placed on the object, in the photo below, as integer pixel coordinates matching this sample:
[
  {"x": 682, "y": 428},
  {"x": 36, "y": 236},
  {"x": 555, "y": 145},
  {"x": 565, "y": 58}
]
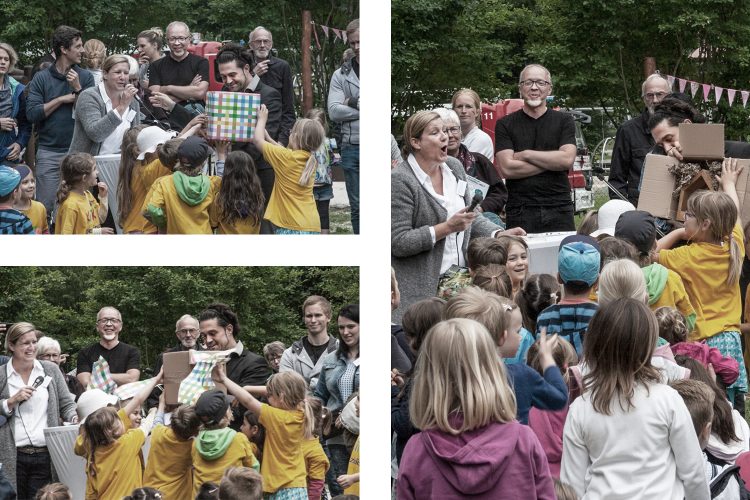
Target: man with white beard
[
  {"x": 633, "y": 141},
  {"x": 124, "y": 359},
  {"x": 534, "y": 149}
]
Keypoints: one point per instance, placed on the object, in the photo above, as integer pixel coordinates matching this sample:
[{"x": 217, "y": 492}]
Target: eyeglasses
[
  {"x": 452, "y": 130},
  {"x": 689, "y": 214},
  {"x": 542, "y": 84},
  {"x": 48, "y": 356},
  {"x": 654, "y": 95},
  {"x": 261, "y": 42},
  {"x": 188, "y": 331},
  {"x": 181, "y": 39},
  {"x": 104, "y": 321}
]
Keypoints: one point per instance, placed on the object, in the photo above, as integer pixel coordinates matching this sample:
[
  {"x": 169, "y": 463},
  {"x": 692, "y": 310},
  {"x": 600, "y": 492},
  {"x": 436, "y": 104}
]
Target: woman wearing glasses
[
  {"x": 466, "y": 104},
  {"x": 475, "y": 165},
  {"x": 33, "y": 396},
  {"x": 48, "y": 349}
]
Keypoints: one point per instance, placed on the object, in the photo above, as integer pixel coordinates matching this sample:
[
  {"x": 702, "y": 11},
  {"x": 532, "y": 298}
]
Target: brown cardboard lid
[{"x": 702, "y": 141}]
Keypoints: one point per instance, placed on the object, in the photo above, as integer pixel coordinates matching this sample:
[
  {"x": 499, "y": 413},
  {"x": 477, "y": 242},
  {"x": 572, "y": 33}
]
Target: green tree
[{"x": 63, "y": 301}]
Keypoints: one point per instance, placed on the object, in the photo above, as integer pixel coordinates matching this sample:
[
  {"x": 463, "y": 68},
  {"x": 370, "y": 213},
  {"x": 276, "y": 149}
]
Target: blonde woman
[
  {"x": 466, "y": 411},
  {"x": 468, "y": 107},
  {"x": 104, "y": 113}
]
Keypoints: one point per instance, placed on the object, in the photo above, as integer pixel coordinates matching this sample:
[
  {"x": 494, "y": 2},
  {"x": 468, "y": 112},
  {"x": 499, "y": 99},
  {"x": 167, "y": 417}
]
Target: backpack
[{"x": 720, "y": 482}]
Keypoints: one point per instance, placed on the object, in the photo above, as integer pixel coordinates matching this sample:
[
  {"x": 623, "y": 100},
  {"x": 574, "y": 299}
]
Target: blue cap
[
  {"x": 578, "y": 261},
  {"x": 9, "y": 180}
]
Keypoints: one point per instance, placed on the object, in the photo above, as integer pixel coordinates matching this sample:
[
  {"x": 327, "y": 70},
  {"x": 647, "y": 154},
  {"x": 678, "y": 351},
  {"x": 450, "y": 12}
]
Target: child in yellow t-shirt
[
  {"x": 292, "y": 206},
  {"x": 179, "y": 203},
  {"x": 169, "y": 468},
  {"x": 288, "y": 421},
  {"x": 140, "y": 165},
  {"x": 350, "y": 480},
  {"x": 27, "y": 205},
  {"x": 316, "y": 461},
  {"x": 238, "y": 206},
  {"x": 710, "y": 267},
  {"x": 217, "y": 447},
  {"x": 78, "y": 212},
  {"x": 112, "y": 448}
]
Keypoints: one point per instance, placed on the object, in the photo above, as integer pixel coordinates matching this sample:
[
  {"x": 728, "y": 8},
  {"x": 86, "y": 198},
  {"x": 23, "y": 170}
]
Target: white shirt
[
  {"x": 30, "y": 418},
  {"x": 452, "y": 200},
  {"x": 113, "y": 142},
  {"x": 477, "y": 141},
  {"x": 649, "y": 452}
]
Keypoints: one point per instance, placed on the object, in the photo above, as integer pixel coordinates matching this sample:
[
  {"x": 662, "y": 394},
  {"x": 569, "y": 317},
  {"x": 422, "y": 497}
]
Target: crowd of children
[
  {"x": 621, "y": 377},
  {"x": 163, "y": 186}
]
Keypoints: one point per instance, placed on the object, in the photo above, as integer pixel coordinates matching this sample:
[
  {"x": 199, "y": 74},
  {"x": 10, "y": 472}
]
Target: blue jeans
[
  {"x": 339, "y": 459},
  {"x": 350, "y": 166}
]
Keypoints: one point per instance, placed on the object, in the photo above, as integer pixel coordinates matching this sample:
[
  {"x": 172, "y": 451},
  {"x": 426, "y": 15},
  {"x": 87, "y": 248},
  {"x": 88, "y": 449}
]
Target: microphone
[
  {"x": 39, "y": 380},
  {"x": 475, "y": 201}
]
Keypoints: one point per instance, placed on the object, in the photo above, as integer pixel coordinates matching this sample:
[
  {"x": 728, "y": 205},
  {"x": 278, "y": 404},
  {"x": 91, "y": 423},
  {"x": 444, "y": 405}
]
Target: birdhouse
[{"x": 701, "y": 181}]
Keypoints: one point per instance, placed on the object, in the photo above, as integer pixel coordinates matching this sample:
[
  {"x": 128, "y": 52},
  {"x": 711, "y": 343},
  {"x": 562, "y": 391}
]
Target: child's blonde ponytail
[{"x": 735, "y": 261}]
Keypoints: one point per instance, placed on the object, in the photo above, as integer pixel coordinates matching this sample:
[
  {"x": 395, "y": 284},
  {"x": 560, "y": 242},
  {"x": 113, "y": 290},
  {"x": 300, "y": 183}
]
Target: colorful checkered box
[{"x": 232, "y": 115}]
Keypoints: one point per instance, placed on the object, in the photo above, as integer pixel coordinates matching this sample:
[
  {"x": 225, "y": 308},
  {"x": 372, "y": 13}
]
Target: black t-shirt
[
  {"x": 121, "y": 358},
  {"x": 167, "y": 71},
  {"x": 314, "y": 351},
  {"x": 519, "y": 132}
]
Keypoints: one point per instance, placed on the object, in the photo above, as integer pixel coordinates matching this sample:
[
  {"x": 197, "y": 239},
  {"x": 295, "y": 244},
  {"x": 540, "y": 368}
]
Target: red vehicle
[
  {"x": 209, "y": 50},
  {"x": 579, "y": 176}
]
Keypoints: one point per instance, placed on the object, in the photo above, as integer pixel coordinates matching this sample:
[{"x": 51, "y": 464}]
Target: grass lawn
[{"x": 340, "y": 220}]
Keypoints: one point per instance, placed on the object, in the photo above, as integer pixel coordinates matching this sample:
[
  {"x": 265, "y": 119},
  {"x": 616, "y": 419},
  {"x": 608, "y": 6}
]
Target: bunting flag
[
  {"x": 694, "y": 88},
  {"x": 338, "y": 33},
  {"x": 718, "y": 91},
  {"x": 317, "y": 41},
  {"x": 343, "y": 35},
  {"x": 128, "y": 391},
  {"x": 101, "y": 377},
  {"x": 325, "y": 30}
]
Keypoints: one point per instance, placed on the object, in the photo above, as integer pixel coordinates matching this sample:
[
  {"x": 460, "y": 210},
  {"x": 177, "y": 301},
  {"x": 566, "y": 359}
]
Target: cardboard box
[
  {"x": 701, "y": 181},
  {"x": 543, "y": 250},
  {"x": 177, "y": 367},
  {"x": 232, "y": 116},
  {"x": 702, "y": 141},
  {"x": 657, "y": 185}
]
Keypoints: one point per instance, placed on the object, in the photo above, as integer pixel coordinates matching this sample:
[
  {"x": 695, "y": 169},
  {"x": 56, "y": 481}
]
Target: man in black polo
[
  {"x": 634, "y": 141},
  {"x": 534, "y": 149},
  {"x": 276, "y": 73},
  {"x": 235, "y": 70},
  {"x": 220, "y": 327},
  {"x": 180, "y": 75},
  {"x": 124, "y": 360}
]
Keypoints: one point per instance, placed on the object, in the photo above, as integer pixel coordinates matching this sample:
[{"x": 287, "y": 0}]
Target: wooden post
[
  {"x": 649, "y": 67},
  {"x": 307, "y": 91}
]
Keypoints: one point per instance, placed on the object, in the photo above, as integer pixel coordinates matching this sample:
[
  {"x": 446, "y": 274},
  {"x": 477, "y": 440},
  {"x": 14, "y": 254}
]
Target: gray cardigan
[
  {"x": 60, "y": 404},
  {"x": 413, "y": 256},
  {"x": 93, "y": 123}
]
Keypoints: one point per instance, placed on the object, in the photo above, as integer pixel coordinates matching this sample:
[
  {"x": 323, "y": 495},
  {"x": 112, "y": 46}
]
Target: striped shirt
[
  {"x": 14, "y": 222},
  {"x": 569, "y": 320}
]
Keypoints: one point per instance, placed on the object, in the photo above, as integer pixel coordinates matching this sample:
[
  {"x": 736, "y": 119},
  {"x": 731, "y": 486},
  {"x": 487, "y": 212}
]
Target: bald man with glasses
[
  {"x": 534, "y": 149},
  {"x": 633, "y": 142},
  {"x": 124, "y": 359}
]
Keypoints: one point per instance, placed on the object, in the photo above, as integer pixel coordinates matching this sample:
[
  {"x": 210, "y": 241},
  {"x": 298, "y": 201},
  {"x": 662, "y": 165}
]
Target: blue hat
[
  {"x": 9, "y": 180},
  {"x": 578, "y": 261},
  {"x": 23, "y": 170}
]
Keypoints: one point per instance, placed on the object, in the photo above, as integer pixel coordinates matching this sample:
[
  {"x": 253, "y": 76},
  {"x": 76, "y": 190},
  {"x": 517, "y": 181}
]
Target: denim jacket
[
  {"x": 334, "y": 365},
  {"x": 23, "y": 131}
]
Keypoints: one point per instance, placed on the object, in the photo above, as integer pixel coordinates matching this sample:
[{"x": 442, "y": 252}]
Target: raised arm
[
  {"x": 144, "y": 393},
  {"x": 219, "y": 375},
  {"x": 259, "y": 136},
  {"x": 730, "y": 171}
]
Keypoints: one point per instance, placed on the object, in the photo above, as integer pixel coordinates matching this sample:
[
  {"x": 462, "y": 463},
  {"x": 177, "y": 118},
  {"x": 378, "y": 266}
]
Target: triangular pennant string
[
  {"x": 706, "y": 91},
  {"x": 682, "y": 82},
  {"x": 694, "y": 88},
  {"x": 717, "y": 93},
  {"x": 730, "y": 96},
  {"x": 670, "y": 79},
  {"x": 744, "y": 94}
]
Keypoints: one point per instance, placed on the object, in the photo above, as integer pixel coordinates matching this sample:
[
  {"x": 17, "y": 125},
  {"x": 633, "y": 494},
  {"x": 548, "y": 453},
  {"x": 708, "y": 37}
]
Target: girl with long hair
[
  {"x": 628, "y": 435},
  {"x": 238, "y": 207}
]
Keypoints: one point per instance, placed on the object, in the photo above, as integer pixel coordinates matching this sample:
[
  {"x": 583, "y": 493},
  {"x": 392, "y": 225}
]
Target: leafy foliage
[
  {"x": 63, "y": 301},
  {"x": 595, "y": 50}
]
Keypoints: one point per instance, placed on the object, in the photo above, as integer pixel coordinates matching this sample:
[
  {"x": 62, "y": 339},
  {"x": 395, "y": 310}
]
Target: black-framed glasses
[
  {"x": 104, "y": 321},
  {"x": 654, "y": 95},
  {"x": 181, "y": 39},
  {"x": 542, "y": 84}
]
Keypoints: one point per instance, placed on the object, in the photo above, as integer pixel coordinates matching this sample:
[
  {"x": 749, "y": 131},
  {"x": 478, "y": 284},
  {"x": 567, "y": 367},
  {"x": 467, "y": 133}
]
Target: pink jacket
[{"x": 725, "y": 367}]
